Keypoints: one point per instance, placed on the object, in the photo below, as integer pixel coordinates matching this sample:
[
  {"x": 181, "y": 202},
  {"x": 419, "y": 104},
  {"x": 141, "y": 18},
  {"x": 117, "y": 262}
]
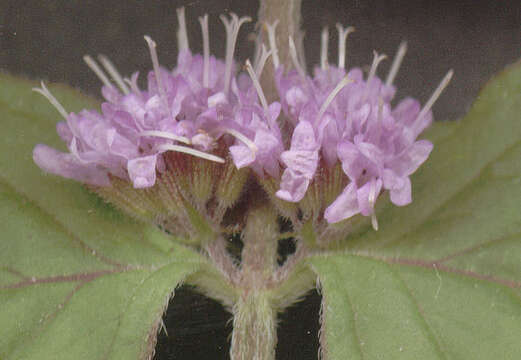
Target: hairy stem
[
  {"x": 254, "y": 314},
  {"x": 287, "y": 12},
  {"x": 254, "y": 328}
]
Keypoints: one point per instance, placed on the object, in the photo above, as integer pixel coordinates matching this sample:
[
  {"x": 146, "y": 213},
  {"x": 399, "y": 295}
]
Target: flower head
[{"x": 178, "y": 152}]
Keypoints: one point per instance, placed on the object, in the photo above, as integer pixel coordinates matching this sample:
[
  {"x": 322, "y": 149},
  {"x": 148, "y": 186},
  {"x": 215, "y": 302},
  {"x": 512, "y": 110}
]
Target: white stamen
[
  {"x": 402, "y": 49},
  {"x": 155, "y": 62},
  {"x": 300, "y": 49},
  {"x": 257, "y": 85},
  {"x": 264, "y": 55},
  {"x": 376, "y": 60},
  {"x": 273, "y": 43},
  {"x": 243, "y": 139},
  {"x": 324, "y": 48},
  {"x": 190, "y": 151},
  {"x": 257, "y": 51},
  {"x": 132, "y": 85},
  {"x": 93, "y": 65},
  {"x": 47, "y": 94},
  {"x": 165, "y": 135},
  {"x": 341, "y": 84},
  {"x": 372, "y": 201},
  {"x": 294, "y": 58},
  {"x": 374, "y": 222},
  {"x": 436, "y": 94},
  {"x": 182, "y": 35},
  {"x": 232, "y": 30},
  {"x": 206, "y": 50},
  {"x": 342, "y": 40},
  {"x": 111, "y": 69}
]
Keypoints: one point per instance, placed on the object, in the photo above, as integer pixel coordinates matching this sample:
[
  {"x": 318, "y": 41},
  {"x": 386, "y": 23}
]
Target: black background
[{"x": 46, "y": 40}]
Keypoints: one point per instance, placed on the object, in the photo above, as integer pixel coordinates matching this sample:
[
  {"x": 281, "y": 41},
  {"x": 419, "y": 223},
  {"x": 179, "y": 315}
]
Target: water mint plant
[{"x": 213, "y": 150}]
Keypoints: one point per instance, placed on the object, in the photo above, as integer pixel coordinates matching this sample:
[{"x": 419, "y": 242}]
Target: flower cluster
[{"x": 206, "y": 109}]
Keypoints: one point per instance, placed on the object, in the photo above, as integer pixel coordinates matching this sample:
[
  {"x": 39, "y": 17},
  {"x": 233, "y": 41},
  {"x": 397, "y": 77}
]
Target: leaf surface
[
  {"x": 441, "y": 279},
  {"x": 78, "y": 280}
]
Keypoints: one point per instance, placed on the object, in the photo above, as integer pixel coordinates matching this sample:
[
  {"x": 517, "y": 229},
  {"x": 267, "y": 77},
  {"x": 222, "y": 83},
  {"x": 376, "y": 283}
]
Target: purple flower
[
  {"x": 188, "y": 109},
  {"x": 206, "y": 108},
  {"x": 349, "y": 119}
]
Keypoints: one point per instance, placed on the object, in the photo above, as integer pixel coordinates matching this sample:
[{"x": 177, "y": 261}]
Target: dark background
[{"x": 46, "y": 40}]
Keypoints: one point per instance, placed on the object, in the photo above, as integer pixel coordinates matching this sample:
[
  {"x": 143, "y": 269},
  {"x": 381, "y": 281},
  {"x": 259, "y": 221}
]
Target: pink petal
[
  {"x": 142, "y": 171},
  {"x": 241, "y": 155},
  {"x": 66, "y": 165},
  {"x": 292, "y": 186},
  {"x": 401, "y": 196},
  {"x": 344, "y": 206}
]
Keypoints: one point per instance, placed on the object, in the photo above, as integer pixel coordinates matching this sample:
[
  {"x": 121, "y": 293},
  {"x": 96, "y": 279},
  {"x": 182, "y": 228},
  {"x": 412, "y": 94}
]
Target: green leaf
[
  {"x": 78, "y": 280},
  {"x": 441, "y": 279}
]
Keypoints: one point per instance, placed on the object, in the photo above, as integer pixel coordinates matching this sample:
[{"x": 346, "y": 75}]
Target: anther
[
  {"x": 342, "y": 40},
  {"x": 402, "y": 49}
]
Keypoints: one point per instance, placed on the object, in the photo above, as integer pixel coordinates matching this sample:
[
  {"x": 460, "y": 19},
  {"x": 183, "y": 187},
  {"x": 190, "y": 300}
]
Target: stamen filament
[
  {"x": 190, "y": 151},
  {"x": 206, "y": 50},
  {"x": 111, "y": 69},
  {"x": 182, "y": 35},
  {"x": 273, "y": 43},
  {"x": 155, "y": 62},
  {"x": 324, "y": 48},
  {"x": 376, "y": 61},
  {"x": 165, "y": 135},
  {"x": 132, "y": 85},
  {"x": 243, "y": 139},
  {"x": 436, "y": 94},
  {"x": 93, "y": 65},
  {"x": 342, "y": 40},
  {"x": 372, "y": 201},
  {"x": 402, "y": 49},
  {"x": 374, "y": 222},
  {"x": 47, "y": 94},
  {"x": 264, "y": 55},
  {"x": 341, "y": 84},
  {"x": 232, "y": 30},
  {"x": 300, "y": 49},
  {"x": 257, "y": 85},
  {"x": 294, "y": 58}
]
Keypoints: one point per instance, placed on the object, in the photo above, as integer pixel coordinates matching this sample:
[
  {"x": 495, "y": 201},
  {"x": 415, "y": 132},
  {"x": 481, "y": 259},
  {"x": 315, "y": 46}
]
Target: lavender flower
[
  {"x": 348, "y": 119},
  {"x": 185, "y": 110},
  {"x": 219, "y": 117}
]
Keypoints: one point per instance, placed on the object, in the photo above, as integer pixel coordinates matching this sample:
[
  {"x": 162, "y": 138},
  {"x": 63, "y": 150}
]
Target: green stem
[
  {"x": 254, "y": 314},
  {"x": 254, "y": 328}
]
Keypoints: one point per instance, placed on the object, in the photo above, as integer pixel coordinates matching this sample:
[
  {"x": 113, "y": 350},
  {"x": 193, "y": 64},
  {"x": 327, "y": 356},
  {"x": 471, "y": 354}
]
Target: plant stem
[
  {"x": 254, "y": 315},
  {"x": 254, "y": 328}
]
